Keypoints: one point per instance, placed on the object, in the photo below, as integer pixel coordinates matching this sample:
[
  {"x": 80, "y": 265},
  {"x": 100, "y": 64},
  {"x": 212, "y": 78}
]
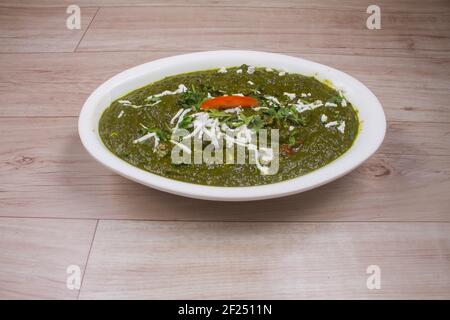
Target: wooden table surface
[{"x": 59, "y": 207}]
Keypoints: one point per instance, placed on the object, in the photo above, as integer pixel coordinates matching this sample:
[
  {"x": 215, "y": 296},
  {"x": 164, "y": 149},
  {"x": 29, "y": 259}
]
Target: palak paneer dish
[{"x": 228, "y": 109}]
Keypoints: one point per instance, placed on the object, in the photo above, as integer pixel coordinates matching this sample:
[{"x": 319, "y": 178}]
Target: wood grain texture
[
  {"x": 267, "y": 260},
  {"x": 392, "y": 211},
  {"x": 55, "y": 177},
  {"x": 57, "y": 84},
  {"x": 35, "y": 253},
  {"x": 400, "y": 6},
  {"x": 435, "y": 6},
  {"x": 268, "y": 29},
  {"x": 40, "y": 30}
]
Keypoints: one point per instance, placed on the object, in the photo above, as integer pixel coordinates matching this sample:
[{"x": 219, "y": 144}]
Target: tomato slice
[{"x": 227, "y": 102}]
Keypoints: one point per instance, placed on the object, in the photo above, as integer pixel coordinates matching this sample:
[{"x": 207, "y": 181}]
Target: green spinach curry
[{"x": 316, "y": 124}]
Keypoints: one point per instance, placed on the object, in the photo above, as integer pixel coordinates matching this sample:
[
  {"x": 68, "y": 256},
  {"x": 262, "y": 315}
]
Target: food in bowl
[
  {"x": 316, "y": 124},
  {"x": 371, "y": 126}
]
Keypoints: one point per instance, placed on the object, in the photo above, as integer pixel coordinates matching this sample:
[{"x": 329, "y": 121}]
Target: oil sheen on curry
[{"x": 315, "y": 125}]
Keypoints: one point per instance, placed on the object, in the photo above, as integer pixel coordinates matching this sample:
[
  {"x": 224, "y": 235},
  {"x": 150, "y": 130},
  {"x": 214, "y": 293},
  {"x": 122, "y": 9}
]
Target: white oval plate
[{"x": 370, "y": 137}]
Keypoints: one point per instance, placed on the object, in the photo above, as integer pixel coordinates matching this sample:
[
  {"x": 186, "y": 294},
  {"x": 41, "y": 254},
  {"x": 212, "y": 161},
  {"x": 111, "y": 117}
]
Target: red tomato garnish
[{"x": 227, "y": 102}]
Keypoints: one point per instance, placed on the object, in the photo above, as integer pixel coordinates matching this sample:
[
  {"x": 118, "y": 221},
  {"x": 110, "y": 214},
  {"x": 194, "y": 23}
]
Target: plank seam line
[
  {"x": 178, "y": 51},
  {"x": 227, "y": 221},
  {"x": 286, "y": 51},
  {"x": 87, "y": 260},
  {"x": 87, "y": 28},
  {"x": 138, "y": 6}
]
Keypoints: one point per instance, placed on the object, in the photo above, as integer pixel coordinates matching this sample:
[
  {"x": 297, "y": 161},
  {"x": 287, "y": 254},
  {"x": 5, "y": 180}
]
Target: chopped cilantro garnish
[{"x": 190, "y": 99}]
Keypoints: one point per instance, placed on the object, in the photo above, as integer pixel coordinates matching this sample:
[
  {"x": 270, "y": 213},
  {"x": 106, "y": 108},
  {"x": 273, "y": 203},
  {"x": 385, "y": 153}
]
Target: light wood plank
[
  {"x": 293, "y": 30},
  {"x": 417, "y": 138},
  {"x": 40, "y": 29},
  {"x": 46, "y": 172},
  {"x": 57, "y": 84},
  {"x": 35, "y": 253},
  {"x": 419, "y": 6},
  {"x": 175, "y": 260}
]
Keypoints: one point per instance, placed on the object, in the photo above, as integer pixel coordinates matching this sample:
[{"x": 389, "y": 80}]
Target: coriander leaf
[
  {"x": 291, "y": 140},
  {"x": 214, "y": 113},
  {"x": 246, "y": 119},
  {"x": 335, "y": 99},
  {"x": 190, "y": 99},
  {"x": 184, "y": 124},
  {"x": 257, "y": 123}
]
